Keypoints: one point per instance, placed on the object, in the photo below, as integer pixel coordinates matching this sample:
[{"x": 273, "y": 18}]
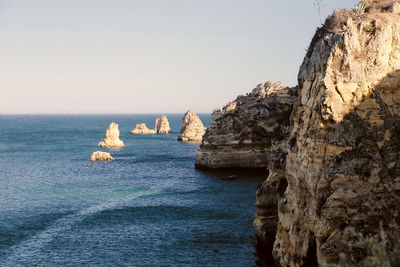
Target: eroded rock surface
[
  {"x": 101, "y": 156},
  {"x": 268, "y": 194},
  {"x": 243, "y": 132},
  {"x": 342, "y": 168},
  {"x": 162, "y": 125},
  {"x": 192, "y": 129},
  {"x": 112, "y": 137},
  {"x": 141, "y": 128}
]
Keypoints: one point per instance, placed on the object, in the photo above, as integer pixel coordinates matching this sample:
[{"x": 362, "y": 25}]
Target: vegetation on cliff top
[{"x": 337, "y": 21}]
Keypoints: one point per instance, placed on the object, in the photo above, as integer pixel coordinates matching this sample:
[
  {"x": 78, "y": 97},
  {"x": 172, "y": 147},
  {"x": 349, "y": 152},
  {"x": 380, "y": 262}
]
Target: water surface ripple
[{"x": 149, "y": 207}]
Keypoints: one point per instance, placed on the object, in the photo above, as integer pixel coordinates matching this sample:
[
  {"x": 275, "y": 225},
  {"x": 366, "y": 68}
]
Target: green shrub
[
  {"x": 364, "y": 6},
  {"x": 360, "y": 8},
  {"x": 369, "y": 28}
]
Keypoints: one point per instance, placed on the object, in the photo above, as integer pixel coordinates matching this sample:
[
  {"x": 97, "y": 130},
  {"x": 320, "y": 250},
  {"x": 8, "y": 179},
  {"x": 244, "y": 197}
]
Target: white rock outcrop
[
  {"x": 112, "y": 137},
  {"x": 141, "y": 128},
  {"x": 192, "y": 129},
  {"x": 162, "y": 125},
  {"x": 101, "y": 156}
]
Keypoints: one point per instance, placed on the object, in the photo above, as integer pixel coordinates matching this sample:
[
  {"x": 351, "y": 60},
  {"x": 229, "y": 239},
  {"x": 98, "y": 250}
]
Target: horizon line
[{"x": 155, "y": 113}]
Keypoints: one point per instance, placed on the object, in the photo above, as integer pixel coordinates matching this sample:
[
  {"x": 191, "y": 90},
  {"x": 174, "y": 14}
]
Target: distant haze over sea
[{"x": 156, "y": 56}]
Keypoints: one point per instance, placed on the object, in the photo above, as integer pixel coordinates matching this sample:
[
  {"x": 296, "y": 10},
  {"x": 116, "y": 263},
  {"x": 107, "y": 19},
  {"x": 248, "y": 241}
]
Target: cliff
[
  {"x": 242, "y": 134},
  {"x": 112, "y": 137},
  {"x": 192, "y": 129},
  {"x": 336, "y": 195},
  {"x": 141, "y": 128},
  {"x": 162, "y": 125}
]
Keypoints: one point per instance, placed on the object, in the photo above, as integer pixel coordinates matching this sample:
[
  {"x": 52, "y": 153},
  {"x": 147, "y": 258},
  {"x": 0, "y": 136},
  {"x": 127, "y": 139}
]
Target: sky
[{"x": 148, "y": 56}]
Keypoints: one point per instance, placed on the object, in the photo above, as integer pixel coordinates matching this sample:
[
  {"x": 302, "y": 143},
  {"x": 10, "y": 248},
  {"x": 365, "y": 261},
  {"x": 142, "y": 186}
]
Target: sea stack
[
  {"x": 243, "y": 132},
  {"x": 162, "y": 125},
  {"x": 192, "y": 129},
  {"x": 101, "y": 156},
  {"x": 142, "y": 129},
  {"x": 112, "y": 137},
  {"x": 336, "y": 195}
]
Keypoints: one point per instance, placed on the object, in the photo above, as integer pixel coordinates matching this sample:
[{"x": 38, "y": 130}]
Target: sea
[{"x": 149, "y": 207}]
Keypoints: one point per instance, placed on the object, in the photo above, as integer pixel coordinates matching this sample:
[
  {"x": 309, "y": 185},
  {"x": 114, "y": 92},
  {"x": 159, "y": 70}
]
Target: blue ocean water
[{"x": 149, "y": 207}]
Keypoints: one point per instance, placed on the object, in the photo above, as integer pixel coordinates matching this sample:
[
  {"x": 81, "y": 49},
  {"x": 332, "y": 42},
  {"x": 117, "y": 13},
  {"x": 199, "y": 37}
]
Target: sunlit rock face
[
  {"x": 162, "y": 125},
  {"x": 342, "y": 167},
  {"x": 141, "y": 128},
  {"x": 101, "y": 156},
  {"x": 192, "y": 129},
  {"x": 243, "y": 132},
  {"x": 112, "y": 137}
]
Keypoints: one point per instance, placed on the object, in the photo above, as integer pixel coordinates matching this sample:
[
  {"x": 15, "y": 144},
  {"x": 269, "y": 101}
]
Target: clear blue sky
[{"x": 148, "y": 56}]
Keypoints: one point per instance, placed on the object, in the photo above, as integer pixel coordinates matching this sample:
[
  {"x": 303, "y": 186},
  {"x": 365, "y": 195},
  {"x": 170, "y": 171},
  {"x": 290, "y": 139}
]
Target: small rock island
[
  {"x": 111, "y": 139},
  {"x": 101, "y": 156},
  {"x": 162, "y": 125},
  {"x": 192, "y": 129},
  {"x": 141, "y": 128}
]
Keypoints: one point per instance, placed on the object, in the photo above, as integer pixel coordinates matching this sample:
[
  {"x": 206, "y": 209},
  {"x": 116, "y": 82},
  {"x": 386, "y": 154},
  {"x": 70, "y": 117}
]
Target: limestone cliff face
[
  {"x": 162, "y": 125},
  {"x": 243, "y": 132},
  {"x": 343, "y": 156},
  {"x": 192, "y": 129},
  {"x": 112, "y": 137},
  {"x": 141, "y": 128}
]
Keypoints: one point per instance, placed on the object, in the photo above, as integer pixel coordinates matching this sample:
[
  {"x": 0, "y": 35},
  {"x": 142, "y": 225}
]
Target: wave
[
  {"x": 32, "y": 246},
  {"x": 144, "y": 215}
]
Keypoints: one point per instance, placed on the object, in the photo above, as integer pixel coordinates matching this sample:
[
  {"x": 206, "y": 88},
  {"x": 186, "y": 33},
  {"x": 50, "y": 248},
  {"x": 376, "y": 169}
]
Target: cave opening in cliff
[
  {"x": 311, "y": 259},
  {"x": 264, "y": 252}
]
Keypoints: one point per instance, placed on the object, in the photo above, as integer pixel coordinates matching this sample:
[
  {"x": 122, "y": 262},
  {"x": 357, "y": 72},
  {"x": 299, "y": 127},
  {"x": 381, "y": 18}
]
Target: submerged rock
[
  {"x": 243, "y": 132},
  {"x": 162, "y": 125},
  {"x": 342, "y": 169},
  {"x": 142, "y": 129},
  {"x": 101, "y": 156},
  {"x": 112, "y": 137},
  {"x": 192, "y": 129}
]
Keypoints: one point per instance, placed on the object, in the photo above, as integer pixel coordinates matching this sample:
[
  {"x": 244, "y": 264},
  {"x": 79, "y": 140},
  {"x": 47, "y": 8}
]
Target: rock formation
[
  {"x": 112, "y": 137},
  {"x": 342, "y": 169},
  {"x": 162, "y": 125},
  {"x": 243, "y": 132},
  {"x": 142, "y": 129},
  {"x": 192, "y": 129},
  {"x": 101, "y": 156}
]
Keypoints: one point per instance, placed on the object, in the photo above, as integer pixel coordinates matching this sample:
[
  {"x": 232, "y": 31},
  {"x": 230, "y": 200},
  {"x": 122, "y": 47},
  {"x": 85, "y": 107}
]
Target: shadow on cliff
[
  {"x": 372, "y": 168},
  {"x": 370, "y": 160},
  {"x": 229, "y": 174}
]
